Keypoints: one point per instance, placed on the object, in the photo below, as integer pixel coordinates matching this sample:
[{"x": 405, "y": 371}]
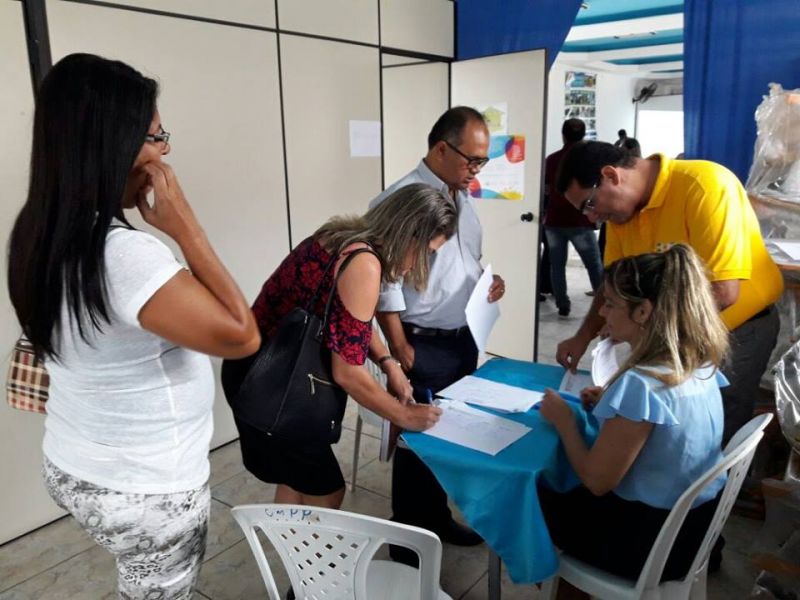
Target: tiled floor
[{"x": 59, "y": 562}]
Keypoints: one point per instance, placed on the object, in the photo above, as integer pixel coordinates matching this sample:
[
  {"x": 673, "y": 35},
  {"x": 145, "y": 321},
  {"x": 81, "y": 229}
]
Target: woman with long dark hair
[{"x": 122, "y": 326}]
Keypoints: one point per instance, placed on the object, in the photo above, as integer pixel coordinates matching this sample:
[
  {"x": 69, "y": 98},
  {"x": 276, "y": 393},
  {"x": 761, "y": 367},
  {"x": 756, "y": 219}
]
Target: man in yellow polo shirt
[{"x": 652, "y": 203}]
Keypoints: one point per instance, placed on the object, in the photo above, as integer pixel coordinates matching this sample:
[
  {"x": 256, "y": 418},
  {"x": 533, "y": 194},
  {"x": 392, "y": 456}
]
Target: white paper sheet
[
  {"x": 365, "y": 138},
  {"x": 476, "y": 429},
  {"x": 573, "y": 383},
  {"x": 791, "y": 249},
  {"x": 491, "y": 394},
  {"x": 482, "y": 314},
  {"x": 607, "y": 357}
]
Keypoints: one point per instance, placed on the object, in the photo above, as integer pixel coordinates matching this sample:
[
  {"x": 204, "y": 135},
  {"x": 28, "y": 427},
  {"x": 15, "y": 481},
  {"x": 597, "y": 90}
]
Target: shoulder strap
[{"x": 345, "y": 263}]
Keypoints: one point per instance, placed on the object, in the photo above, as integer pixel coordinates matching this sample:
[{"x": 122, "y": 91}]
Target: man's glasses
[
  {"x": 473, "y": 162},
  {"x": 161, "y": 136},
  {"x": 587, "y": 206}
]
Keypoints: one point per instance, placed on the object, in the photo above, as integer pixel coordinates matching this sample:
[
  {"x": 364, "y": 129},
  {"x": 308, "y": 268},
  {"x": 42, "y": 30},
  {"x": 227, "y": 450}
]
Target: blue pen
[{"x": 430, "y": 395}]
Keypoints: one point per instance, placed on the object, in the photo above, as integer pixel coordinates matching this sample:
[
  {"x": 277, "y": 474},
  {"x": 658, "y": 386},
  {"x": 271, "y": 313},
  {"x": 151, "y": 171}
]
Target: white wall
[
  {"x": 614, "y": 108},
  {"x": 659, "y": 125}
]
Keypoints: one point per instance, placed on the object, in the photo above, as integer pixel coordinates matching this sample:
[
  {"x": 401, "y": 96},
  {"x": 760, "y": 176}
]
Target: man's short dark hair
[
  {"x": 622, "y": 133},
  {"x": 584, "y": 161},
  {"x": 450, "y": 126},
  {"x": 573, "y": 130}
]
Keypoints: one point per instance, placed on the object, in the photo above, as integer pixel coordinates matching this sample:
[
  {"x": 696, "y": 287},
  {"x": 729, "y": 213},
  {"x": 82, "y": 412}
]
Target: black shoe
[
  {"x": 542, "y": 297},
  {"x": 404, "y": 555},
  {"x": 563, "y": 312},
  {"x": 290, "y": 594},
  {"x": 457, "y": 534}
]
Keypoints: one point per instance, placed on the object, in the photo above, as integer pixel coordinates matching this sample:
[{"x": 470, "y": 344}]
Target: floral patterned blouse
[{"x": 294, "y": 283}]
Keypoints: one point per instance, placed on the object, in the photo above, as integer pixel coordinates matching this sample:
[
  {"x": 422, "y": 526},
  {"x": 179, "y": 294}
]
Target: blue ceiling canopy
[
  {"x": 630, "y": 36},
  {"x": 642, "y": 38}
]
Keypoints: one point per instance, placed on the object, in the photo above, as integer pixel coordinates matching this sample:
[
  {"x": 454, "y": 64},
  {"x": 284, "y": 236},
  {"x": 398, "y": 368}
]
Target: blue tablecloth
[{"x": 497, "y": 494}]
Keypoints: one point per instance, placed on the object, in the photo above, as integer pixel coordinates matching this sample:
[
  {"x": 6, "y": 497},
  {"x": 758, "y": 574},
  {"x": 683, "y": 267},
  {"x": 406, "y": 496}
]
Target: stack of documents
[
  {"x": 476, "y": 429},
  {"x": 497, "y": 396}
]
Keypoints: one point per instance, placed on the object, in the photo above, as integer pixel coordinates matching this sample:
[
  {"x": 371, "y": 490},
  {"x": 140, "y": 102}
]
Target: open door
[{"x": 518, "y": 84}]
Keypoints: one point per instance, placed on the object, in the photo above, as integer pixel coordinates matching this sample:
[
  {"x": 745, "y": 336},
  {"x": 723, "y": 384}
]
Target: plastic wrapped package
[
  {"x": 786, "y": 377},
  {"x": 775, "y": 171}
]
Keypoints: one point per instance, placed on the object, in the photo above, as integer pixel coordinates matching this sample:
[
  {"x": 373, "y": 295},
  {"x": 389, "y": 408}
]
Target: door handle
[{"x": 528, "y": 216}]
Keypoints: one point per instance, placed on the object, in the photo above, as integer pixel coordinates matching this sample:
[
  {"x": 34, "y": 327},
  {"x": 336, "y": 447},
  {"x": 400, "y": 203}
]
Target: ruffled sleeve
[{"x": 637, "y": 398}]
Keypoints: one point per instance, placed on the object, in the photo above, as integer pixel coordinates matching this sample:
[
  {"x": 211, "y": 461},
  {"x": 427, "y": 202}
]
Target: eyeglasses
[
  {"x": 587, "y": 206},
  {"x": 473, "y": 162},
  {"x": 161, "y": 136}
]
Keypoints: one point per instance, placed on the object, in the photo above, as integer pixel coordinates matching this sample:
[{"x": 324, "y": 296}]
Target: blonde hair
[
  {"x": 684, "y": 331},
  {"x": 408, "y": 219}
]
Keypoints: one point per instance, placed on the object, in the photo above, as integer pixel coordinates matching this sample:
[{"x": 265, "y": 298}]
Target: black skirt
[
  {"x": 311, "y": 469},
  {"x": 616, "y": 535}
]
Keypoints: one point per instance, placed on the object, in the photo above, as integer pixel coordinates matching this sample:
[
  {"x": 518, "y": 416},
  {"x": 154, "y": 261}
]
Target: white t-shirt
[{"x": 129, "y": 410}]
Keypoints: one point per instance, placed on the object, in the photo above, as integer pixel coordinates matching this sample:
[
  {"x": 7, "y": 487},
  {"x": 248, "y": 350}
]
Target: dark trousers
[
  {"x": 616, "y": 535},
  {"x": 545, "y": 286},
  {"x": 417, "y": 497},
  {"x": 751, "y": 345}
]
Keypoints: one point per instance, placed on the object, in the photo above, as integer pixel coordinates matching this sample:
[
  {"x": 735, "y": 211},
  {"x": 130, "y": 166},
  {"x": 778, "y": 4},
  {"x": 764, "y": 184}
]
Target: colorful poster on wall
[
  {"x": 579, "y": 100},
  {"x": 496, "y": 116},
  {"x": 503, "y": 177}
]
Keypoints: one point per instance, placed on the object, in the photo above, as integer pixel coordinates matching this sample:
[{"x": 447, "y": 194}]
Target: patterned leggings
[{"x": 158, "y": 540}]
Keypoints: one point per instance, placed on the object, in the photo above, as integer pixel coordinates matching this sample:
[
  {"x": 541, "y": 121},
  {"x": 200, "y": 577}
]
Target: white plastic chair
[
  {"x": 365, "y": 415},
  {"x": 328, "y": 553},
  {"x": 737, "y": 457}
]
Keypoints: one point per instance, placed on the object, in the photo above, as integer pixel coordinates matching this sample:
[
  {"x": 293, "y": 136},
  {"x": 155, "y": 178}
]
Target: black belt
[{"x": 434, "y": 331}]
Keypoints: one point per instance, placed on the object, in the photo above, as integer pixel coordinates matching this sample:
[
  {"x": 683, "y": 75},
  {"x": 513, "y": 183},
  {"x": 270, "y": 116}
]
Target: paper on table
[
  {"x": 476, "y": 429},
  {"x": 491, "y": 394},
  {"x": 573, "y": 383},
  {"x": 482, "y": 314}
]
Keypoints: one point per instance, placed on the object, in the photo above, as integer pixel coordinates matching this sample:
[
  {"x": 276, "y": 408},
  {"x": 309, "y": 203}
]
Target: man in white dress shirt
[{"x": 427, "y": 330}]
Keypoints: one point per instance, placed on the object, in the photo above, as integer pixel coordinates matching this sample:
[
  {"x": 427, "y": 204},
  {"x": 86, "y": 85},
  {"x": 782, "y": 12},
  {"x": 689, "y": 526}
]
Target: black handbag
[{"x": 289, "y": 392}]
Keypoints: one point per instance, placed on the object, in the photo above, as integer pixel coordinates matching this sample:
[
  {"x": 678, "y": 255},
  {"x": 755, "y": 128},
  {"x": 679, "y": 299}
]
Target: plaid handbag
[{"x": 28, "y": 381}]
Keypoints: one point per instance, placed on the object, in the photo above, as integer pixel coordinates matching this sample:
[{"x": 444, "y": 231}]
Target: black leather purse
[{"x": 289, "y": 392}]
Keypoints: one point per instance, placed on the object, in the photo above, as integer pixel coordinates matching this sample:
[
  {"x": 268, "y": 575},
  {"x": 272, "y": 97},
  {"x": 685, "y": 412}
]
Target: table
[{"x": 497, "y": 494}]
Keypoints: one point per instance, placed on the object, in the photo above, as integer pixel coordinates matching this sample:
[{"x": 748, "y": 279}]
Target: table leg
[{"x": 494, "y": 575}]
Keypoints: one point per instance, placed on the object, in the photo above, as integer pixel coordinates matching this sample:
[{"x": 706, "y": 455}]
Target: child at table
[{"x": 660, "y": 419}]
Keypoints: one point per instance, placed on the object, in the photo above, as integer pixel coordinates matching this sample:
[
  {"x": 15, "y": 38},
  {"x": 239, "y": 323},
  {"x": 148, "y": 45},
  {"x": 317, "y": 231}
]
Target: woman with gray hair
[{"x": 399, "y": 236}]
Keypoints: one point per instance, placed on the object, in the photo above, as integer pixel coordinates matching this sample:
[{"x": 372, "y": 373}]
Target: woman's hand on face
[
  {"x": 555, "y": 410},
  {"x": 418, "y": 417},
  {"x": 590, "y": 395},
  {"x": 170, "y": 212}
]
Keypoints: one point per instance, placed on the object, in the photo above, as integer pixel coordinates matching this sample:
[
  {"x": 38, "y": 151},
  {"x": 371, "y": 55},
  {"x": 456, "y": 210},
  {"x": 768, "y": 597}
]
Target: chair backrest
[
  {"x": 737, "y": 456},
  {"x": 327, "y": 552}
]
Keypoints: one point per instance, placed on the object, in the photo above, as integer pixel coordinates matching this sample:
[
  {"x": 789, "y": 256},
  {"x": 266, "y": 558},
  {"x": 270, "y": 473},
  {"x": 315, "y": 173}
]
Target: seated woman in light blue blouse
[{"x": 660, "y": 420}]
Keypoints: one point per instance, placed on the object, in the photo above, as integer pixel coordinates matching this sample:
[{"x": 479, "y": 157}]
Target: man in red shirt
[{"x": 563, "y": 224}]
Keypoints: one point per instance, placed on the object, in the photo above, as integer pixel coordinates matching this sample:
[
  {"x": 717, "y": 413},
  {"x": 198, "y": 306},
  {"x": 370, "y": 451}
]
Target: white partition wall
[
  {"x": 250, "y": 12},
  {"x": 258, "y": 96},
  {"x": 355, "y": 20},
  {"x": 409, "y": 115},
  {"x": 23, "y": 502},
  {"x": 325, "y": 86},
  {"x": 418, "y": 25}
]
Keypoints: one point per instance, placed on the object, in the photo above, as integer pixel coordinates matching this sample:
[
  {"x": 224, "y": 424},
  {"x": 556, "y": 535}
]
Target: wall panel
[
  {"x": 409, "y": 115},
  {"x": 251, "y": 12},
  {"x": 325, "y": 85},
  {"x": 355, "y": 20},
  {"x": 418, "y": 25},
  {"x": 24, "y": 501}
]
